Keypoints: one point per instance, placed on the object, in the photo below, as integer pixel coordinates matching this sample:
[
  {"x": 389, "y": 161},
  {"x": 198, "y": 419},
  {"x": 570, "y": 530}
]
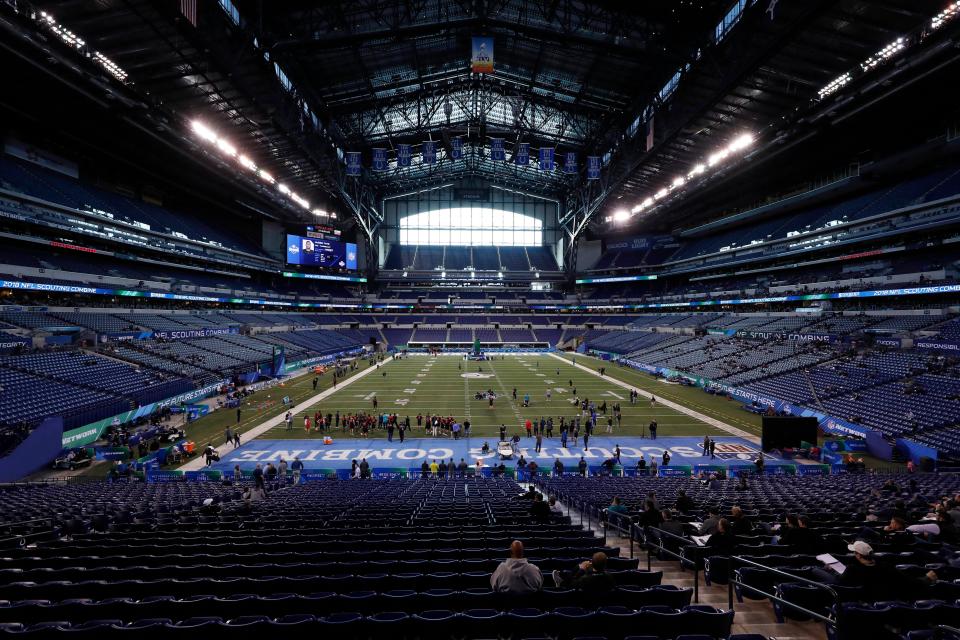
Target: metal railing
[
  {"x": 648, "y": 543},
  {"x": 733, "y": 582}
]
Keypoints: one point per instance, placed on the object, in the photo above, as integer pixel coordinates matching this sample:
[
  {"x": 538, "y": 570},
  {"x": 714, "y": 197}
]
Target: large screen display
[{"x": 319, "y": 252}]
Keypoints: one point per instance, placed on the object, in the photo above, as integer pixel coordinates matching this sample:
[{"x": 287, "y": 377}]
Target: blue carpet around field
[{"x": 380, "y": 454}]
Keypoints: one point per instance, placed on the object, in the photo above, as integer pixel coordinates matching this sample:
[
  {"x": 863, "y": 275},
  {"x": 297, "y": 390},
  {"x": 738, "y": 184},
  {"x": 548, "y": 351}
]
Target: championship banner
[
  {"x": 429, "y": 151},
  {"x": 403, "y": 155},
  {"x": 593, "y": 167},
  {"x": 546, "y": 159},
  {"x": 456, "y": 148},
  {"x": 379, "y": 159},
  {"x": 496, "y": 149},
  {"x": 353, "y": 163},
  {"x": 570, "y": 162},
  {"x": 481, "y": 56},
  {"x": 522, "y": 156}
]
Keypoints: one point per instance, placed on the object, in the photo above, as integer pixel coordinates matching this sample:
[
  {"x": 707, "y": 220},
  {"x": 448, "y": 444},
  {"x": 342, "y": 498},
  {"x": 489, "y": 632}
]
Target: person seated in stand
[
  {"x": 650, "y": 516},
  {"x": 515, "y": 575},
  {"x": 876, "y": 581},
  {"x": 709, "y": 526},
  {"x": 590, "y": 577},
  {"x": 617, "y": 507},
  {"x": 801, "y": 537},
  {"x": 539, "y": 510},
  {"x": 722, "y": 539},
  {"x": 684, "y": 503},
  {"x": 670, "y": 525},
  {"x": 740, "y": 525},
  {"x": 555, "y": 508}
]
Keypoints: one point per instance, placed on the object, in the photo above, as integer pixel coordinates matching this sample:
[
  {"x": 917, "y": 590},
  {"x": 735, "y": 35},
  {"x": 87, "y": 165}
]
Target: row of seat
[
  {"x": 327, "y": 603},
  {"x": 563, "y": 622}
]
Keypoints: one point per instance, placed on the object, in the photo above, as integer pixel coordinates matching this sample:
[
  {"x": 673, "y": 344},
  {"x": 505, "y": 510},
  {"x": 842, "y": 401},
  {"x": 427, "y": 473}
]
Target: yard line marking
[{"x": 713, "y": 422}]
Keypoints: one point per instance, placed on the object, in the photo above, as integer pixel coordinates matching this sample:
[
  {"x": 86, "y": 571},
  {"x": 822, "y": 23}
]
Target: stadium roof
[{"x": 652, "y": 86}]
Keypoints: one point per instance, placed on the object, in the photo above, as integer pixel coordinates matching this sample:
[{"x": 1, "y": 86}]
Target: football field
[{"x": 447, "y": 385}]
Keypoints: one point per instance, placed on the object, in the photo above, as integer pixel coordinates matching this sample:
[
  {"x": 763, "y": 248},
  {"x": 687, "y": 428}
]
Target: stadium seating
[{"x": 139, "y": 552}]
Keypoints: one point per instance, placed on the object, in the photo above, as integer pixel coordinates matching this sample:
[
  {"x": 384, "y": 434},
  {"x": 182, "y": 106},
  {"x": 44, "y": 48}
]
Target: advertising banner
[
  {"x": 570, "y": 162},
  {"x": 481, "y": 54},
  {"x": 196, "y": 333},
  {"x": 828, "y": 338}
]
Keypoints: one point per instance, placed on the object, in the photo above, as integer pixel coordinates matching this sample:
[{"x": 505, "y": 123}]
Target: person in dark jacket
[
  {"x": 540, "y": 510},
  {"x": 684, "y": 503},
  {"x": 591, "y": 576},
  {"x": 722, "y": 540},
  {"x": 740, "y": 525}
]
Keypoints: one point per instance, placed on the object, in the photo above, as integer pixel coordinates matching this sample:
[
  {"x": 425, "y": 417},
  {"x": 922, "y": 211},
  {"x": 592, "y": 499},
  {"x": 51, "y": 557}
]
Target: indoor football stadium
[{"x": 480, "y": 319}]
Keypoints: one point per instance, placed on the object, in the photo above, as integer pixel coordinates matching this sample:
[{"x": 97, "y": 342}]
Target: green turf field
[
  {"x": 436, "y": 385},
  {"x": 259, "y": 407}
]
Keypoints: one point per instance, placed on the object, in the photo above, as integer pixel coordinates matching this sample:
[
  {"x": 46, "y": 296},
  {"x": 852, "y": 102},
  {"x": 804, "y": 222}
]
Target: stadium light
[
  {"x": 945, "y": 16},
  {"x": 320, "y": 212},
  {"x": 247, "y": 162},
  {"x": 265, "y": 176},
  {"x": 226, "y": 147},
  {"x": 884, "y": 54},
  {"x": 736, "y": 146},
  {"x": 203, "y": 131},
  {"x": 834, "y": 85},
  {"x": 333, "y": 215},
  {"x": 76, "y": 42},
  {"x": 284, "y": 189}
]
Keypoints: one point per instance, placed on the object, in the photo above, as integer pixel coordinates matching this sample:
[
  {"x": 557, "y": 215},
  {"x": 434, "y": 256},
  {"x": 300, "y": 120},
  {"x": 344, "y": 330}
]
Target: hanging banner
[
  {"x": 429, "y": 151},
  {"x": 496, "y": 149},
  {"x": 456, "y": 148},
  {"x": 570, "y": 162},
  {"x": 353, "y": 163},
  {"x": 522, "y": 156},
  {"x": 481, "y": 56},
  {"x": 546, "y": 158},
  {"x": 403, "y": 155},
  {"x": 593, "y": 167},
  {"x": 379, "y": 159}
]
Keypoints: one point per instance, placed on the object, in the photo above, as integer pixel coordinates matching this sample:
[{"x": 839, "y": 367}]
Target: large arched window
[{"x": 474, "y": 226}]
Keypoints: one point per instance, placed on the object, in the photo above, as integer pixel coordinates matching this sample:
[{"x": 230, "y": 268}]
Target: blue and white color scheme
[
  {"x": 570, "y": 162},
  {"x": 403, "y": 155},
  {"x": 429, "y": 151},
  {"x": 496, "y": 149},
  {"x": 546, "y": 159},
  {"x": 522, "y": 155},
  {"x": 380, "y": 160},
  {"x": 684, "y": 452},
  {"x": 593, "y": 167},
  {"x": 354, "y": 165},
  {"x": 456, "y": 148}
]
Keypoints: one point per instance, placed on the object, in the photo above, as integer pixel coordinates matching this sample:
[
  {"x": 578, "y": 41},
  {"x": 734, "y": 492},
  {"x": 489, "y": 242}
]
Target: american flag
[{"x": 189, "y": 9}]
